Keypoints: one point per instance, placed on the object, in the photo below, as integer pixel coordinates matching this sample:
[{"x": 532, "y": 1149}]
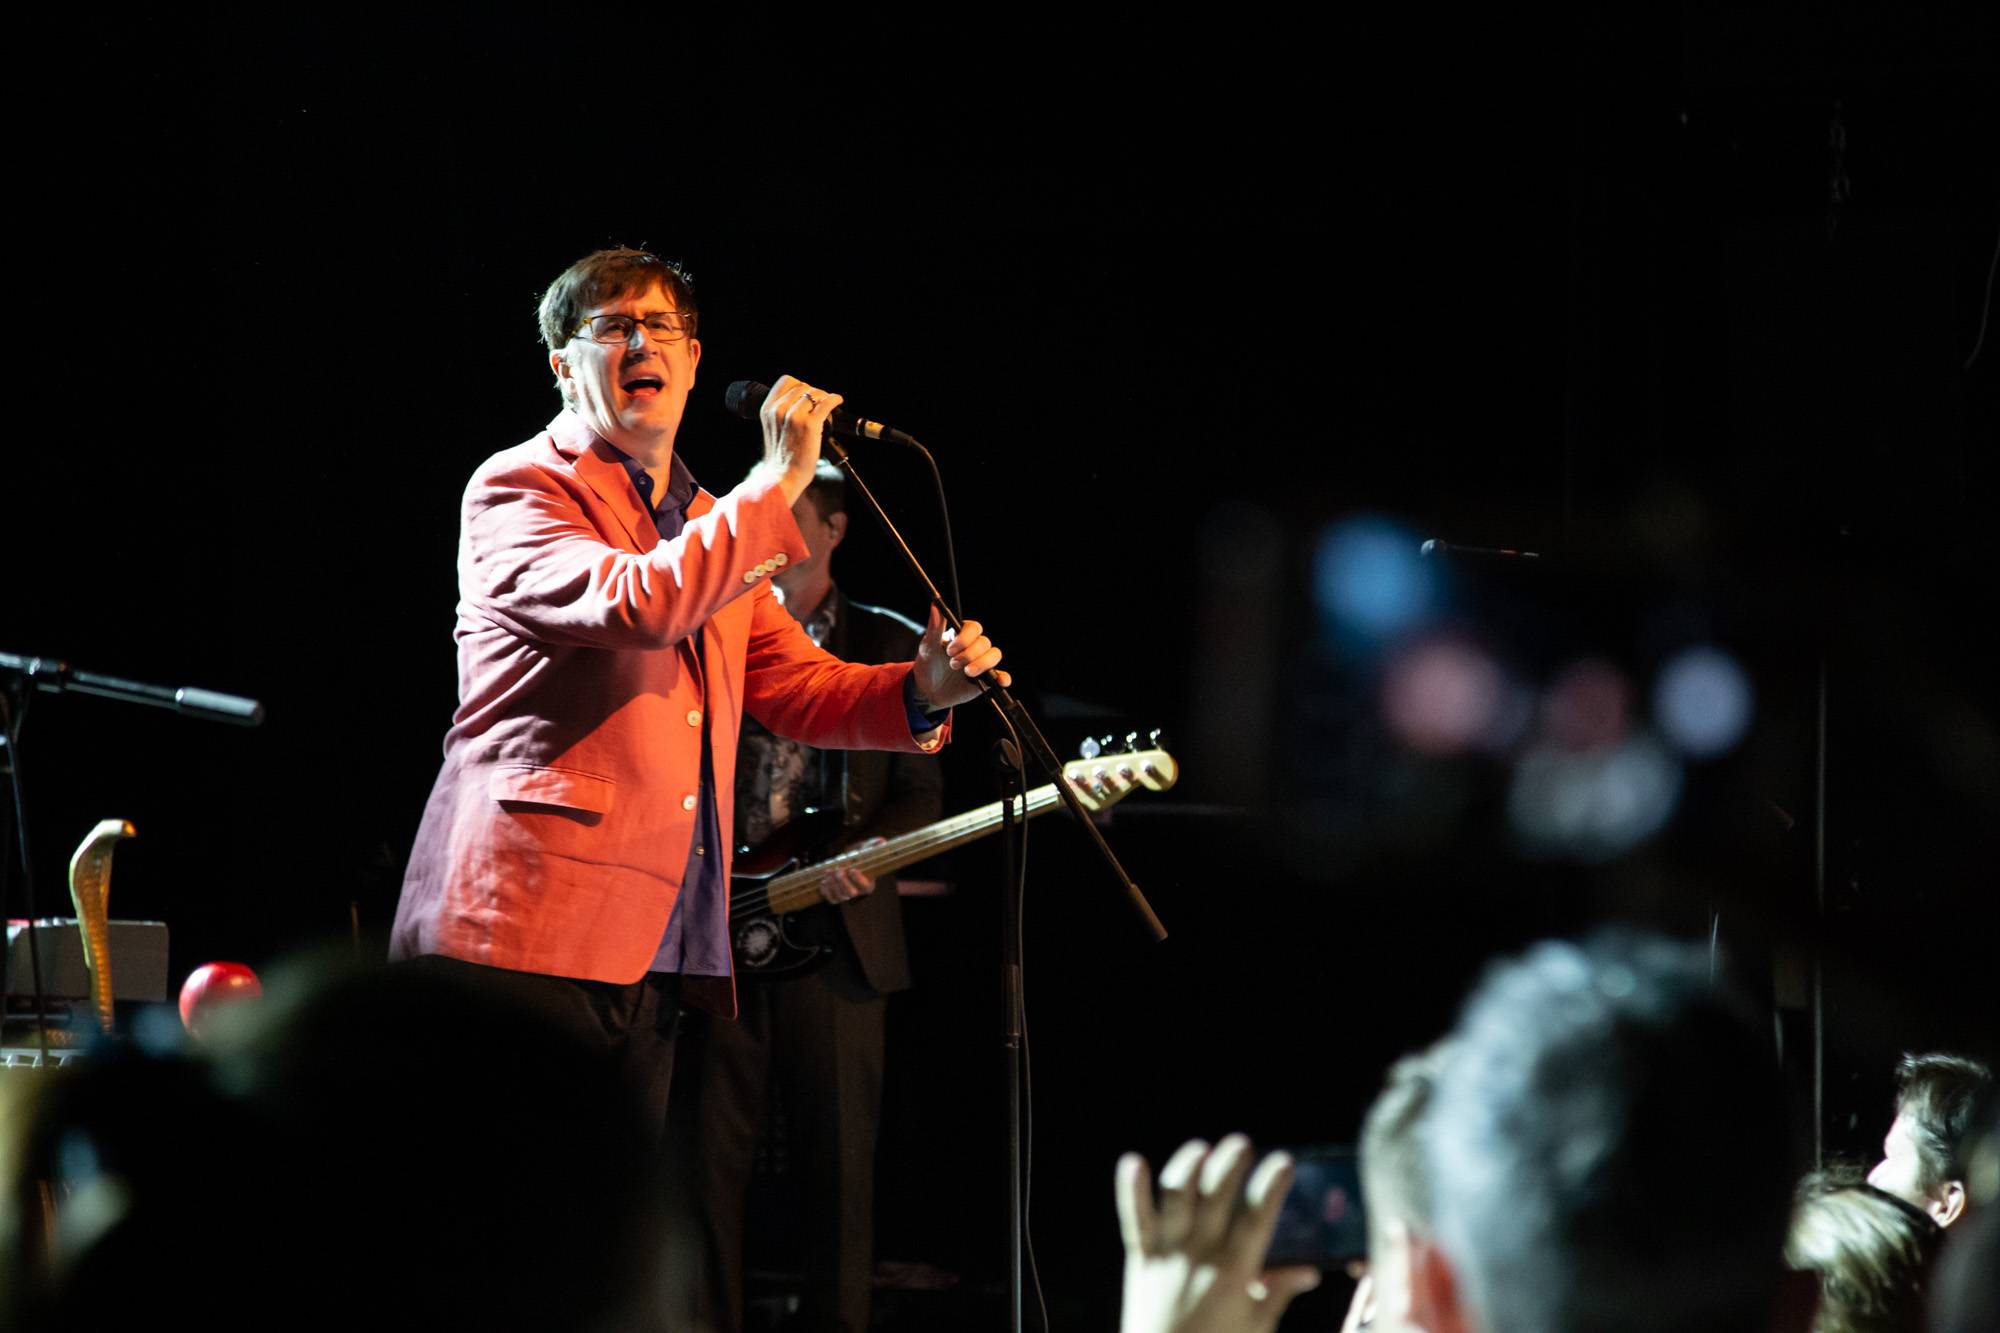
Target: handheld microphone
[{"x": 744, "y": 397}]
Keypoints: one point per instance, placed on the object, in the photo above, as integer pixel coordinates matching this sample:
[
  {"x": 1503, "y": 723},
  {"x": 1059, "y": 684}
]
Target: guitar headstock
[{"x": 1108, "y": 770}]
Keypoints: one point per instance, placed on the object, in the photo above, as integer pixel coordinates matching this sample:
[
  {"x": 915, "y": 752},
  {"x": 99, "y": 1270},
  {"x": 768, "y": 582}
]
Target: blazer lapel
[
  {"x": 601, "y": 468},
  {"x": 717, "y": 649}
]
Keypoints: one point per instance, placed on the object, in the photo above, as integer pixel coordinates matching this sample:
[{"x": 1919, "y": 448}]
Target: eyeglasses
[{"x": 618, "y": 329}]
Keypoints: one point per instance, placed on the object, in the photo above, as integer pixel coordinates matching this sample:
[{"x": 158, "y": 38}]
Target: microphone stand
[
  {"x": 19, "y": 677},
  {"x": 1013, "y": 787},
  {"x": 1018, "y": 722},
  {"x": 1008, "y": 707}
]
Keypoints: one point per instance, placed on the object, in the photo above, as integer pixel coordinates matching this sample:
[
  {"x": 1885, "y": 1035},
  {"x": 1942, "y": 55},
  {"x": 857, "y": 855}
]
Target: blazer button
[
  {"x": 749, "y": 576},
  {"x": 694, "y": 717},
  {"x": 779, "y": 559},
  {"x": 687, "y": 802}
]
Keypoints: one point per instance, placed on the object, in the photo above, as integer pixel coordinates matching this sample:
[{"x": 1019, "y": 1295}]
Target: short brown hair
[
  {"x": 605, "y": 275},
  {"x": 828, "y": 489},
  {"x": 1940, "y": 1094}
]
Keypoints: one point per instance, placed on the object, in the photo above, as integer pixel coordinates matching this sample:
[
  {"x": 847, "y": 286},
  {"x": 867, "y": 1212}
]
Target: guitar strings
[
  {"x": 941, "y": 837},
  {"x": 803, "y": 885}
]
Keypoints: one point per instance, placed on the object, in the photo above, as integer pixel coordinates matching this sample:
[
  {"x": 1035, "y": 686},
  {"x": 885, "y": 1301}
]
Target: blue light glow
[
  {"x": 1369, "y": 579},
  {"x": 1702, "y": 701}
]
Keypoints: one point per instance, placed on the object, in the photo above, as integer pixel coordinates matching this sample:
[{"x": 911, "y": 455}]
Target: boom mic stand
[
  {"x": 20, "y": 676},
  {"x": 1017, "y": 720}
]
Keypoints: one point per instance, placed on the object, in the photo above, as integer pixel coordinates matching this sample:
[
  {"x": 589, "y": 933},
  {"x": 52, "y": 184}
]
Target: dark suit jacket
[{"x": 885, "y": 794}]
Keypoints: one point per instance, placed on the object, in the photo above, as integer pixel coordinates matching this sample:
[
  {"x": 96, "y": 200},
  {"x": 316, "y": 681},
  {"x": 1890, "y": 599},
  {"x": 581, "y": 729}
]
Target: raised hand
[
  {"x": 948, "y": 666},
  {"x": 1194, "y": 1260},
  {"x": 794, "y": 419}
]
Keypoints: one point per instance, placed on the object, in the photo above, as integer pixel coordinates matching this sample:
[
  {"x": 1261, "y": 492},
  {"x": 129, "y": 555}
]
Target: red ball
[{"x": 213, "y": 986}]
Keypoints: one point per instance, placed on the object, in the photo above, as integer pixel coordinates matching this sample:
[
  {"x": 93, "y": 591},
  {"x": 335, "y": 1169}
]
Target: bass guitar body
[{"x": 771, "y": 945}]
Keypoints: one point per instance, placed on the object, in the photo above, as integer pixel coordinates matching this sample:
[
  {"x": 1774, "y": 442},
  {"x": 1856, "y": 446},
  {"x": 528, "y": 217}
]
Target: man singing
[{"x": 615, "y": 622}]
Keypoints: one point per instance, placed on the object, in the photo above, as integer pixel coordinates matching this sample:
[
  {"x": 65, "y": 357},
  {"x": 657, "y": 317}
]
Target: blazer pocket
[{"x": 553, "y": 786}]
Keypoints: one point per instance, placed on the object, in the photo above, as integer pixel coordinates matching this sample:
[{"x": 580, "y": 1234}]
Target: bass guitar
[{"x": 774, "y": 932}]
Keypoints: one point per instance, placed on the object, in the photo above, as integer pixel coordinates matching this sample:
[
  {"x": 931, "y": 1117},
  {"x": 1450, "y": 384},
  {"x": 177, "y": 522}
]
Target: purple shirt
[{"x": 696, "y": 942}]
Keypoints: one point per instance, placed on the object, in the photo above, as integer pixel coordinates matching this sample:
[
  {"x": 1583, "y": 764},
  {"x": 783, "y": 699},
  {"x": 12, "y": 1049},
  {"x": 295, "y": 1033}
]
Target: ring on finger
[{"x": 811, "y": 399}]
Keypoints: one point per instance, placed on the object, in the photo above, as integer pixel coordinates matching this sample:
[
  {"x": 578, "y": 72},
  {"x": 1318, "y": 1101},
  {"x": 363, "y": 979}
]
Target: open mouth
[{"x": 644, "y": 384}]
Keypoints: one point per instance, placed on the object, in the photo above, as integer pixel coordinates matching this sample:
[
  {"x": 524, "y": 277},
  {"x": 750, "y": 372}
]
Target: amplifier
[
  {"x": 30, "y": 1057},
  {"x": 138, "y": 960}
]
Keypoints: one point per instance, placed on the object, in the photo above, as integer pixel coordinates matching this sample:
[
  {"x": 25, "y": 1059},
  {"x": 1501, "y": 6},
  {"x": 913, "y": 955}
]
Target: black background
[{"x": 1165, "y": 301}]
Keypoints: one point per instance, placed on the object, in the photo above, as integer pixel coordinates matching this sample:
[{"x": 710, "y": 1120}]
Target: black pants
[
  {"x": 634, "y": 1025},
  {"x": 821, "y": 1039}
]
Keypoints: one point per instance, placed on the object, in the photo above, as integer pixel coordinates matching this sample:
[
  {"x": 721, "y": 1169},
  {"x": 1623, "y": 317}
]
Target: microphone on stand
[
  {"x": 744, "y": 397},
  {"x": 1435, "y": 549}
]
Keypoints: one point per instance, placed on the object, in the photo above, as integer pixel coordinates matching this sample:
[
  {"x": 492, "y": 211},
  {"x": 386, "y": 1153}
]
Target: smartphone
[{"x": 1323, "y": 1221}]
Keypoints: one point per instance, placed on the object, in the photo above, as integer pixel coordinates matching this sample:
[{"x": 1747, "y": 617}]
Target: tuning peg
[
  {"x": 1156, "y": 739},
  {"x": 1089, "y": 748}
]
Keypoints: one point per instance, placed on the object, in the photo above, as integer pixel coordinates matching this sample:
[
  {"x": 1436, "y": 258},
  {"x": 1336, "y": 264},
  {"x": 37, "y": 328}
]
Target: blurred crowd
[{"x": 1601, "y": 1142}]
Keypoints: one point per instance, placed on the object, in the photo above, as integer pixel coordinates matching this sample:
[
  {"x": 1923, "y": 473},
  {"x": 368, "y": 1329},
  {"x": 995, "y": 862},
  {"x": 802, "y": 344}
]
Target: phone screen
[{"x": 1323, "y": 1221}]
